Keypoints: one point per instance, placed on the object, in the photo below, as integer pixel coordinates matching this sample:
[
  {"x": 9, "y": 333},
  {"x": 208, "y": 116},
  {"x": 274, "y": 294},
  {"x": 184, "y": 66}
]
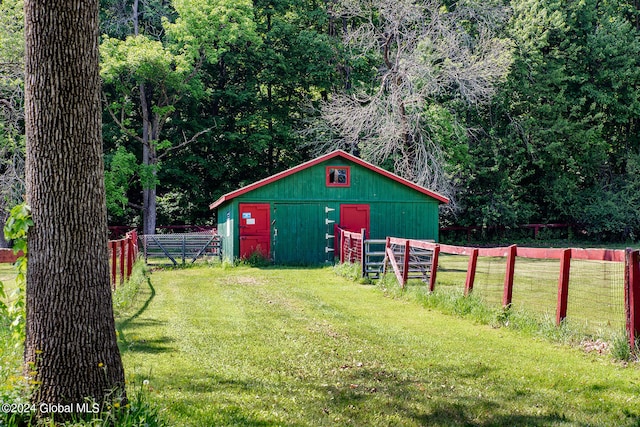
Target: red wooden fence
[
  {"x": 122, "y": 255},
  {"x": 8, "y": 256}
]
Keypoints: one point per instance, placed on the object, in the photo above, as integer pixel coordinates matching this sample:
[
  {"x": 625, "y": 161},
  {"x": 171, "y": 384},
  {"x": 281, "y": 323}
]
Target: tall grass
[{"x": 124, "y": 295}]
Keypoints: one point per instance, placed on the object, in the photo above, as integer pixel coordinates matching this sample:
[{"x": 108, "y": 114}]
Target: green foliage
[
  {"x": 257, "y": 259},
  {"x": 120, "y": 167},
  {"x": 16, "y": 229},
  {"x": 137, "y": 412},
  {"x": 621, "y": 350},
  {"x": 212, "y": 27},
  {"x": 11, "y": 104},
  {"x": 141, "y": 60},
  {"x": 148, "y": 175},
  {"x": 15, "y": 388},
  {"x": 174, "y": 204},
  {"x": 11, "y": 29},
  {"x": 559, "y": 140}
]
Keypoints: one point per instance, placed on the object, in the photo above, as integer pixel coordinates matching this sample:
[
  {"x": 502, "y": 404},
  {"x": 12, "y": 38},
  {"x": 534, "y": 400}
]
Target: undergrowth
[
  {"x": 351, "y": 272},
  {"x": 124, "y": 295}
]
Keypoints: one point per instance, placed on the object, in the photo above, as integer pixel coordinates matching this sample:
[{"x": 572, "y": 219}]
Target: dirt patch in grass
[{"x": 243, "y": 281}]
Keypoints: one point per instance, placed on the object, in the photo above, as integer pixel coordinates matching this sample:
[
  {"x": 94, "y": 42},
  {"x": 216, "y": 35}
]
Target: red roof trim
[{"x": 333, "y": 154}]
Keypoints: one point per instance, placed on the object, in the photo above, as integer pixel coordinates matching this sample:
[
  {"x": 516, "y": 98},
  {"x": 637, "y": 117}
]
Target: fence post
[
  {"x": 632, "y": 295},
  {"x": 434, "y": 268},
  {"x": 508, "y": 276},
  {"x": 122, "y": 260},
  {"x": 405, "y": 267},
  {"x": 114, "y": 261},
  {"x": 144, "y": 248},
  {"x": 563, "y": 286},
  {"x": 471, "y": 272},
  {"x": 184, "y": 249},
  {"x": 133, "y": 235},
  {"x": 363, "y": 258},
  {"x": 130, "y": 256},
  {"x": 341, "y": 245},
  {"x": 386, "y": 255}
]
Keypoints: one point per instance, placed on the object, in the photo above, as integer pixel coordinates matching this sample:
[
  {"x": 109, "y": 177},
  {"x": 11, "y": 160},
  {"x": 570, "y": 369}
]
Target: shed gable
[
  {"x": 309, "y": 181},
  {"x": 311, "y": 185}
]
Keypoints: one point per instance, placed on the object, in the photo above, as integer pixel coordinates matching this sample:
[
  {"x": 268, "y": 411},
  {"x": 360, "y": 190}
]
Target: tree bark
[{"x": 70, "y": 334}]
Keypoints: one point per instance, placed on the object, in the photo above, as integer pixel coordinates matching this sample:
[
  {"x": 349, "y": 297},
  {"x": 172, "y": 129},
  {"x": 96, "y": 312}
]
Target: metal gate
[{"x": 181, "y": 246}]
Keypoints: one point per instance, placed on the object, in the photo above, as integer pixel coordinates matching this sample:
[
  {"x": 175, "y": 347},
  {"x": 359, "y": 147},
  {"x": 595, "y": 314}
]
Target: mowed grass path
[{"x": 304, "y": 347}]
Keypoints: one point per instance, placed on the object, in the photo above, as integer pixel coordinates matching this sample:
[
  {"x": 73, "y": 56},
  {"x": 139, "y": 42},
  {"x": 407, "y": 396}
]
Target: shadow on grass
[
  {"x": 124, "y": 323},
  {"x": 236, "y": 409},
  {"x": 367, "y": 394},
  {"x": 155, "y": 346},
  {"x": 463, "y": 415},
  {"x": 394, "y": 401}
]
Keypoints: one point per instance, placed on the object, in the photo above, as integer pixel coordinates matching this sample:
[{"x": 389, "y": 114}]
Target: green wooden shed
[{"x": 290, "y": 217}]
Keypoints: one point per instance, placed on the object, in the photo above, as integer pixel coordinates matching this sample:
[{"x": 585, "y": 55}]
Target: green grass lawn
[
  {"x": 7, "y": 277},
  {"x": 304, "y": 347}
]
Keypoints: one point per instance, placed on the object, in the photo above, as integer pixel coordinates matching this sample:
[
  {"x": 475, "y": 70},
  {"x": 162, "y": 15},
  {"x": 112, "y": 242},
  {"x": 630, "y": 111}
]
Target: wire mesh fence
[
  {"x": 596, "y": 295},
  {"x": 535, "y": 286},
  {"x": 595, "y": 289},
  {"x": 452, "y": 271},
  {"x": 351, "y": 246},
  {"x": 489, "y": 280}
]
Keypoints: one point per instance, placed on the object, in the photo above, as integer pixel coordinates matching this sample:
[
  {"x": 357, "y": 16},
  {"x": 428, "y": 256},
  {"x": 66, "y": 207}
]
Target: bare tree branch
[
  {"x": 183, "y": 143},
  {"x": 426, "y": 51},
  {"x": 120, "y": 122}
]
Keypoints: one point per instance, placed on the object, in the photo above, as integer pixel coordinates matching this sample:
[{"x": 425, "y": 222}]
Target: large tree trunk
[
  {"x": 70, "y": 334},
  {"x": 150, "y": 135}
]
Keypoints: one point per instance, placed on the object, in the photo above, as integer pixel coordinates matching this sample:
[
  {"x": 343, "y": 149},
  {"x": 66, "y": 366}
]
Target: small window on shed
[{"x": 338, "y": 176}]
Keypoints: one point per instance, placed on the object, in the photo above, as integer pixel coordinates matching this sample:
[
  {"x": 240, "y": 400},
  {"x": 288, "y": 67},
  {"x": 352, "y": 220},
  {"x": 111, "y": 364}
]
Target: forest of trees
[{"x": 522, "y": 111}]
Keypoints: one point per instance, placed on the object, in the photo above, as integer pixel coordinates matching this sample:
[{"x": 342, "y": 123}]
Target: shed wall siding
[
  {"x": 298, "y": 205},
  {"x": 300, "y": 237},
  {"x": 228, "y": 229},
  {"x": 310, "y": 185}
]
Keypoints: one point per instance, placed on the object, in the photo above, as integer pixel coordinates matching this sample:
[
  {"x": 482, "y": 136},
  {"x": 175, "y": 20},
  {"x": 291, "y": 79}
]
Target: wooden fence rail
[
  {"x": 8, "y": 256},
  {"x": 417, "y": 259}
]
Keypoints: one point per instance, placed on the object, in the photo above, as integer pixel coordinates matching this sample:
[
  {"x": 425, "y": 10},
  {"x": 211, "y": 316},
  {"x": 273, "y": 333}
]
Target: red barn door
[
  {"x": 255, "y": 229},
  {"x": 354, "y": 218}
]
